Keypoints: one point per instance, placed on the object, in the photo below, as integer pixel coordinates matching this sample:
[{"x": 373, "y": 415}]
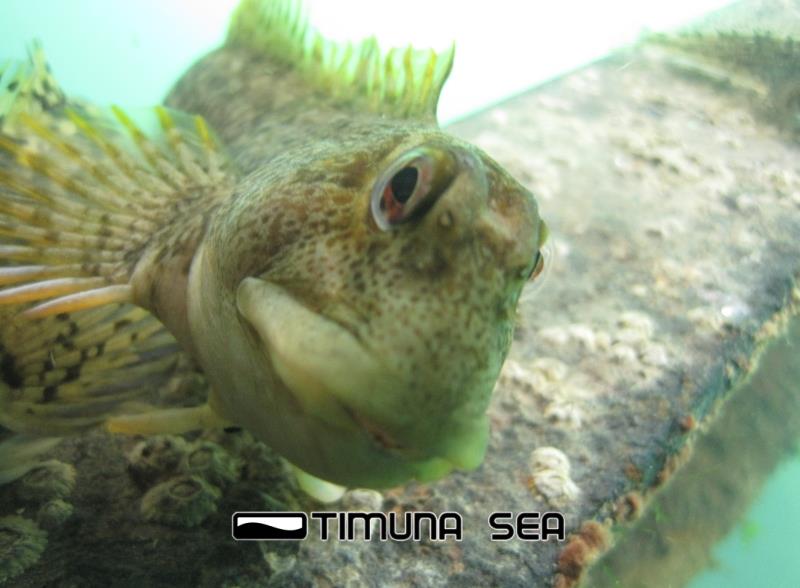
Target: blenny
[{"x": 344, "y": 273}]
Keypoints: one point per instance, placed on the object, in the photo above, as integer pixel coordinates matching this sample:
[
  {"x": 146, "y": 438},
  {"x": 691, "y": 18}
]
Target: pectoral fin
[{"x": 168, "y": 421}]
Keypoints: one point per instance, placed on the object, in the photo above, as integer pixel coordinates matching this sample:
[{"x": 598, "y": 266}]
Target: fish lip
[
  {"x": 388, "y": 444},
  {"x": 381, "y": 438},
  {"x": 347, "y": 326},
  {"x": 315, "y": 370}
]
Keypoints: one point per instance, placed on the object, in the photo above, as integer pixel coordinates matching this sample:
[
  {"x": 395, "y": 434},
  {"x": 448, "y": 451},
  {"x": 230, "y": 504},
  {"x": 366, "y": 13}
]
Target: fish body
[{"x": 344, "y": 273}]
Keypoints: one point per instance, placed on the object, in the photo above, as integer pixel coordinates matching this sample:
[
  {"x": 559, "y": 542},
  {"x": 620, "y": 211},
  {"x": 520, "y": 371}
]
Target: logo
[
  {"x": 269, "y": 526},
  {"x": 412, "y": 526},
  {"x": 528, "y": 526}
]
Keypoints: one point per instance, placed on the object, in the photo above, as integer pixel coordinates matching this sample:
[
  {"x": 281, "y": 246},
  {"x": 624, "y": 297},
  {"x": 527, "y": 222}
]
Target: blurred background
[{"x": 131, "y": 52}]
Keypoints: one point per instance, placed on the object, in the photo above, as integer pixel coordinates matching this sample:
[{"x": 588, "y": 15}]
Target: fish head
[{"x": 378, "y": 285}]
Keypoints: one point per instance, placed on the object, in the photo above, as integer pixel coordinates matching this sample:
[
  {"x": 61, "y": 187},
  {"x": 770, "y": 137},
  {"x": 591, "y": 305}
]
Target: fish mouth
[
  {"x": 322, "y": 363},
  {"x": 464, "y": 451}
]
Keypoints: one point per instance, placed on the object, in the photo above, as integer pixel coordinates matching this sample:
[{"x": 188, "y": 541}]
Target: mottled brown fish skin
[
  {"x": 344, "y": 273},
  {"x": 433, "y": 299}
]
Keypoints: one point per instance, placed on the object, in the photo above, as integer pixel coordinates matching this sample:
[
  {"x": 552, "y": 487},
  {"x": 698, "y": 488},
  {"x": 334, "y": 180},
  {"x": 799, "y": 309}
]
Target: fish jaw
[{"x": 321, "y": 363}]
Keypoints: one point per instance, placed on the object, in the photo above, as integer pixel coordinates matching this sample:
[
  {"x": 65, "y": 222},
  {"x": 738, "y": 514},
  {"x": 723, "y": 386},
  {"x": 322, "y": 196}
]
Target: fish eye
[
  {"x": 411, "y": 186},
  {"x": 403, "y": 184}
]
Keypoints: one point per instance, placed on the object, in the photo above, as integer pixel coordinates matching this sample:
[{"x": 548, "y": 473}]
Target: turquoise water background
[
  {"x": 763, "y": 550},
  {"x": 131, "y": 52}
]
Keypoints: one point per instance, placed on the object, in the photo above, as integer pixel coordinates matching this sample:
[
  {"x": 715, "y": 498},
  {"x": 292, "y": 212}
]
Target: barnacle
[
  {"x": 551, "y": 477},
  {"x": 154, "y": 457},
  {"x": 52, "y": 514},
  {"x": 47, "y": 481},
  {"x": 211, "y": 462},
  {"x": 183, "y": 501},
  {"x": 21, "y": 544}
]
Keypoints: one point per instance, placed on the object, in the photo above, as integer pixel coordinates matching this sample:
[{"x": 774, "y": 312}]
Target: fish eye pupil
[{"x": 403, "y": 183}]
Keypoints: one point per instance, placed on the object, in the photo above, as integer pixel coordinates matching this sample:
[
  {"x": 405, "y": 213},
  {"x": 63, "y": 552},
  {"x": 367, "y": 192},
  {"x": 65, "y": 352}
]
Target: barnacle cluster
[
  {"x": 579, "y": 362},
  {"x": 48, "y": 486},
  {"x": 184, "y": 479}
]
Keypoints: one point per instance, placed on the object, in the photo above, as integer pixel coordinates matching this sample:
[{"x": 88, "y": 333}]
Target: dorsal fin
[{"x": 404, "y": 83}]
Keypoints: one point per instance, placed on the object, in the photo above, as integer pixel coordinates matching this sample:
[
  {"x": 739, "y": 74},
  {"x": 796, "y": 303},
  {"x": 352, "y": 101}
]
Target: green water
[{"x": 764, "y": 549}]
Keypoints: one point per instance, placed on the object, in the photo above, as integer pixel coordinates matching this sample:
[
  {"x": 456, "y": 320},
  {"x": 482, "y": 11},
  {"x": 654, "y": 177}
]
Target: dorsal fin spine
[{"x": 403, "y": 83}]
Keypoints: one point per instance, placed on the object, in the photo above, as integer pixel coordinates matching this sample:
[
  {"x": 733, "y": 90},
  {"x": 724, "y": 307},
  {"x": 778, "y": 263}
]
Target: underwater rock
[
  {"x": 21, "y": 544},
  {"x": 184, "y": 501}
]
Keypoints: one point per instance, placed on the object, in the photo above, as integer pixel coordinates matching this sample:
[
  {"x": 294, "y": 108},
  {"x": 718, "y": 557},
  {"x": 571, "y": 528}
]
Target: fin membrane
[
  {"x": 69, "y": 372},
  {"x": 404, "y": 83},
  {"x": 85, "y": 195}
]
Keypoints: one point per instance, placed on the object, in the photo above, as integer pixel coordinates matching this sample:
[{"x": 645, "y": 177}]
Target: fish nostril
[
  {"x": 446, "y": 219},
  {"x": 538, "y": 278},
  {"x": 538, "y": 266}
]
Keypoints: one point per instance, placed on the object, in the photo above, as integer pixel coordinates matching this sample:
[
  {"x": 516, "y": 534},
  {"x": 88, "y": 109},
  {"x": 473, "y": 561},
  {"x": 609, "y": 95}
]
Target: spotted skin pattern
[{"x": 362, "y": 350}]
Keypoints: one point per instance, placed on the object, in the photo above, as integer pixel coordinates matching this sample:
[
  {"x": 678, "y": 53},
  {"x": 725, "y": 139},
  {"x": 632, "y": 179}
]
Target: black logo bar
[{"x": 269, "y": 526}]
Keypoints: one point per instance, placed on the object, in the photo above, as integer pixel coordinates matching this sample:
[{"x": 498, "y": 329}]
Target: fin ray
[
  {"x": 47, "y": 289},
  {"x": 87, "y": 192},
  {"x": 81, "y": 301},
  {"x": 83, "y": 368}
]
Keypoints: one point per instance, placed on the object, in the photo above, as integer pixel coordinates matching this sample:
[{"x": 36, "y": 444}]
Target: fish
[{"x": 292, "y": 223}]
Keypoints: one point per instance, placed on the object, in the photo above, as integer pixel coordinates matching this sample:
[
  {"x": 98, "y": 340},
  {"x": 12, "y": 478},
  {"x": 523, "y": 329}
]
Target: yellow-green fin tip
[{"x": 400, "y": 82}]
